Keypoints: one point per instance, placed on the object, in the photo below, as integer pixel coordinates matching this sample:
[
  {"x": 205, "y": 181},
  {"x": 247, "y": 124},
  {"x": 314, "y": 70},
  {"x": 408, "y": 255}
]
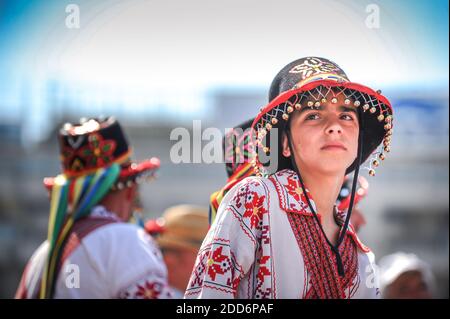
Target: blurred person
[
  {"x": 179, "y": 233},
  {"x": 91, "y": 251},
  {"x": 272, "y": 237},
  {"x": 237, "y": 150},
  {"x": 405, "y": 276},
  {"x": 357, "y": 220}
]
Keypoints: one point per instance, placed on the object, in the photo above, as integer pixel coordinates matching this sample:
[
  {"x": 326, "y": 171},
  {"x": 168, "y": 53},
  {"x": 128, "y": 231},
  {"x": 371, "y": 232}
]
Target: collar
[
  {"x": 100, "y": 211},
  {"x": 293, "y": 200}
]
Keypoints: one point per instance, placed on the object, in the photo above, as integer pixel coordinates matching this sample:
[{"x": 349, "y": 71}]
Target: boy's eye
[
  {"x": 312, "y": 117},
  {"x": 346, "y": 117}
]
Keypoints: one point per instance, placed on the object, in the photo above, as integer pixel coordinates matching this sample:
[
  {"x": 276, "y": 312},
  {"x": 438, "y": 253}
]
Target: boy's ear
[{"x": 286, "y": 151}]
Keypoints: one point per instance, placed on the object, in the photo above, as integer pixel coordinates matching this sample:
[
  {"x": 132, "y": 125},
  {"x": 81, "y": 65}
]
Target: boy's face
[{"x": 325, "y": 139}]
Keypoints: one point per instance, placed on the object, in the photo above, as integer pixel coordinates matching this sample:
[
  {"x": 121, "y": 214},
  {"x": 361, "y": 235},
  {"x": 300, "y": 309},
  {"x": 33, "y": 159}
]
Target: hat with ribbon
[
  {"x": 94, "y": 144},
  {"x": 96, "y": 159}
]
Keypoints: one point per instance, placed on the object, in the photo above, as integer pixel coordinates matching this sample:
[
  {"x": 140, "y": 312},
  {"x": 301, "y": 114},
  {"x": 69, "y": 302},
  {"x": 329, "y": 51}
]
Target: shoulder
[
  {"x": 291, "y": 197},
  {"x": 369, "y": 271},
  {"x": 250, "y": 185},
  {"x": 125, "y": 253},
  {"x": 119, "y": 229},
  {"x": 244, "y": 211},
  {"x": 367, "y": 258},
  {"x": 122, "y": 236},
  {"x": 253, "y": 183},
  {"x": 284, "y": 179},
  {"x": 251, "y": 191},
  {"x": 118, "y": 246}
]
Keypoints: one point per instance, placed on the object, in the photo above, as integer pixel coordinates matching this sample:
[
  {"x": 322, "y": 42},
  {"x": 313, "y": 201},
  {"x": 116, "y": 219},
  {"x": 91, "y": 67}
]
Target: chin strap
[{"x": 343, "y": 230}]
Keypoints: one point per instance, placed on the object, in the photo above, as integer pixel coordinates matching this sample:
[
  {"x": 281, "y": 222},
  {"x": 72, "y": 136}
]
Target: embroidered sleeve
[
  {"x": 229, "y": 250},
  {"x": 151, "y": 287}
]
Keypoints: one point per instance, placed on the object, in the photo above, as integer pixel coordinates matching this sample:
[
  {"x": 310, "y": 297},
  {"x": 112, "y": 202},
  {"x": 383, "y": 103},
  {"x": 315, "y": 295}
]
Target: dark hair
[{"x": 283, "y": 162}]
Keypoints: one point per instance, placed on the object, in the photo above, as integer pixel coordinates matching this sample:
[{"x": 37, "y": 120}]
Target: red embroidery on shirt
[
  {"x": 218, "y": 263},
  {"x": 149, "y": 290},
  {"x": 255, "y": 209},
  {"x": 320, "y": 261},
  {"x": 217, "y": 268}
]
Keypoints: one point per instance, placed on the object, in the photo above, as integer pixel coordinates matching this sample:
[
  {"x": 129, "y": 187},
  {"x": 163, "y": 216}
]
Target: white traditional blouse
[
  {"x": 265, "y": 243},
  {"x": 112, "y": 260}
]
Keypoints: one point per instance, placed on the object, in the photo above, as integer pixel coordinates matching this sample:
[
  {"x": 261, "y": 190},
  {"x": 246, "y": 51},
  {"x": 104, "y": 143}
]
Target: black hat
[
  {"x": 93, "y": 144},
  {"x": 311, "y": 81}
]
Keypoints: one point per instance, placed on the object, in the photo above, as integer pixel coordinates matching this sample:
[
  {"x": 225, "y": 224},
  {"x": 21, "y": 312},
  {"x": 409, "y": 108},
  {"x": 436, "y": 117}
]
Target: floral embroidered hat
[
  {"x": 94, "y": 144},
  {"x": 96, "y": 158},
  {"x": 308, "y": 83}
]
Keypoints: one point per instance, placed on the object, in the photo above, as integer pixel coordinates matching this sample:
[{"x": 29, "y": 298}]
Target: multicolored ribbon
[{"x": 71, "y": 199}]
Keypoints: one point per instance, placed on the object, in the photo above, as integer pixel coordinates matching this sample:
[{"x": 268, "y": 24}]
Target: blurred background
[{"x": 160, "y": 64}]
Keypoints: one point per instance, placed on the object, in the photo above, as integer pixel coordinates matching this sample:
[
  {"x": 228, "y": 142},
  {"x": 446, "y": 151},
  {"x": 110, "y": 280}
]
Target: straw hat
[{"x": 182, "y": 226}]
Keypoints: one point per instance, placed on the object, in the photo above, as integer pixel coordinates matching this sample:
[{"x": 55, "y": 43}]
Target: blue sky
[
  {"x": 413, "y": 31},
  {"x": 137, "y": 49}
]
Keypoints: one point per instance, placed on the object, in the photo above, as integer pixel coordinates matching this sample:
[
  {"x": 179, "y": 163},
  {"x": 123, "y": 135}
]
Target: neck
[
  {"x": 115, "y": 204},
  {"x": 324, "y": 189}
]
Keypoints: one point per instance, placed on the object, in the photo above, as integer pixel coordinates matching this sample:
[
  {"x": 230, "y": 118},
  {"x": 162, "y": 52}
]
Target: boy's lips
[{"x": 334, "y": 146}]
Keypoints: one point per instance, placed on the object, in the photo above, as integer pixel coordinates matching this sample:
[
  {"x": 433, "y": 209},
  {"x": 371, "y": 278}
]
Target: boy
[{"x": 280, "y": 235}]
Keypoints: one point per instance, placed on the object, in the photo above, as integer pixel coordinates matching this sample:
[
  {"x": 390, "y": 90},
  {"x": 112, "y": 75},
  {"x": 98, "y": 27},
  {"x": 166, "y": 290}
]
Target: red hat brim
[
  {"x": 376, "y": 131},
  {"x": 130, "y": 171}
]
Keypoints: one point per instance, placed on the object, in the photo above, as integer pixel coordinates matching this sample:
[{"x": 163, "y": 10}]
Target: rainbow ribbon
[{"x": 71, "y": 199}]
